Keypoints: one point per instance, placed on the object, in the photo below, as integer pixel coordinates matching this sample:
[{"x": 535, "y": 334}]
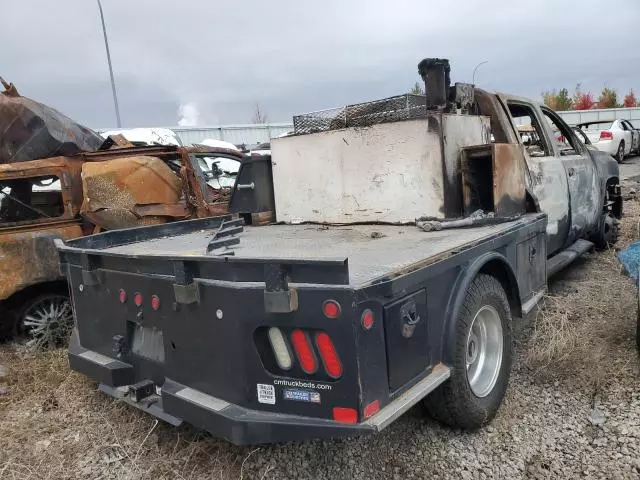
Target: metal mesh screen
[{"x": 393, "y": 109}]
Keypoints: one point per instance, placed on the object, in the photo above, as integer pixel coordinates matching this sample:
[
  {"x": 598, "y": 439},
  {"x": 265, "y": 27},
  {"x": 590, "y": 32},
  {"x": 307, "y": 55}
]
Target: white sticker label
[{"x": 266, "y": 393}]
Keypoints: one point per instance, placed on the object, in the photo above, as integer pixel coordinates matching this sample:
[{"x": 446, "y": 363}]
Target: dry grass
[
  {"x": 54, "y": 424},
  {"x": 583, "y": 331}
]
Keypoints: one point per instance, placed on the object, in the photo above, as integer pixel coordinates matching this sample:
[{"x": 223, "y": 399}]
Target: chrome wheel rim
[
  {"x": 48, "y": 322},
  {"x": 484, "y": 351}
]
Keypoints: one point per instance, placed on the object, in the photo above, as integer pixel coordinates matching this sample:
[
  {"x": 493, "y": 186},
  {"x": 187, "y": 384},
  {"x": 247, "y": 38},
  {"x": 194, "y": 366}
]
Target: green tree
[
  {"x": 608, "y": 98},
  {"x": 563, "y": 100},
  {"x": 417, "y": 89}
]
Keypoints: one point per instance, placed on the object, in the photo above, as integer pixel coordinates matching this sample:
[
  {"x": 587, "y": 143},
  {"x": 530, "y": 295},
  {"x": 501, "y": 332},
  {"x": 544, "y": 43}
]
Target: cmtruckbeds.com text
[{"x": 296, "y": 383}]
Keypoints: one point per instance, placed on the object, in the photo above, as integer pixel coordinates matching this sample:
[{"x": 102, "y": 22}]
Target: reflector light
[
  {"x": 367, "y": 319},
  {"x": 304, "y": 352},
  {"x": 331, "y": 309},
  {"x": 280, "y": 349},
  {"x": 372, "y": 409},
  {"x": 345, "y": 415},
  {"x": 606, "y": 135},
  {"x": 137, "y": 299},
  {"x": 122, "y": 295},
  {"x": 155, "y": 302},
  {"x": 329, "y": 356}
]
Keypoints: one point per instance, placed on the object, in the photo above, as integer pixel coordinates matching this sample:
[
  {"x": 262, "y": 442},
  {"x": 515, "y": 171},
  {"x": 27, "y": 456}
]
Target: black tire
[
  {"x": 608, "y": 232},
  {"x": 454, "y": 403},
  {"x": 620, "y": 153}
]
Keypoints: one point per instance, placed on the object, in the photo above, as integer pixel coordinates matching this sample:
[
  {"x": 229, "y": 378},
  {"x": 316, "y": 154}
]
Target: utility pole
[{"x": 113, "y": 83}]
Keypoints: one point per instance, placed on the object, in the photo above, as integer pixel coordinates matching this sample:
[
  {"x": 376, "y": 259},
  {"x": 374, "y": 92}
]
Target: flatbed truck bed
[
  {"x": 288, "y": 332},
  {"x": 403, "y": 248}
]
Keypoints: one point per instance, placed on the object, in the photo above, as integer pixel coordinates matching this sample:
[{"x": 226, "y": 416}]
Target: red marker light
[
  {"x": 345, "y": 415},
  {"x": 122, "y": 296},
  {"x": 137, "y": 299},
  {"x": 155, "y": 302},
  {"x": 371, "y": 409},
  {"x": 331, "y": 309},
  {"x": 367, "y": 319}
]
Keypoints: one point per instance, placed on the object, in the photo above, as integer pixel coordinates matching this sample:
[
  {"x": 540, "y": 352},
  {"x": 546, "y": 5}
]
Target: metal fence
[
  {"x": 250, "y": 134},
  {"x": 573, "y": 117}
]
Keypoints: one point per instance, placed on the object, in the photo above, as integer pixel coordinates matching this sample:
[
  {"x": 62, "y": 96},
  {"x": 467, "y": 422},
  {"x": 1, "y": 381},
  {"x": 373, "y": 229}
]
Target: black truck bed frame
[{"x": 279, "y": 276}]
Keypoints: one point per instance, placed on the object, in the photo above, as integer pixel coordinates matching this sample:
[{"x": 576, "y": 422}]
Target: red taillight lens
[
  {"x": 371, "y": 409},
  {"x": 367, "y": 319},
  {"x": 137, "y": 299},
  {"x": 304, "y": 352},
  {"x": 329, "y": 356},
  {"x": 345, "y": 415},
  {"x": 606, "y": 135},
  {"x": 122, "y": 296},
  {"x": 331, "y": 309},
  {"x": 155, "y": 302}
]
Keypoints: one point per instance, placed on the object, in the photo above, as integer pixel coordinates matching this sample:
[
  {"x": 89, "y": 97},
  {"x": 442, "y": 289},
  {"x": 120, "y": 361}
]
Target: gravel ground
[{"x": 572, "y": 410}]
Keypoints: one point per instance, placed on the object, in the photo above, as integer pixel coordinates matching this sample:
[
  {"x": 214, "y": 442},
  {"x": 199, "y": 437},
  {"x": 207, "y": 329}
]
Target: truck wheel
[
  {"x": 620, "y": 152},
  {"x": 608, "y": 232},
  {"x": 47, "y": 320},
  {"x": 481, "y": 360}
]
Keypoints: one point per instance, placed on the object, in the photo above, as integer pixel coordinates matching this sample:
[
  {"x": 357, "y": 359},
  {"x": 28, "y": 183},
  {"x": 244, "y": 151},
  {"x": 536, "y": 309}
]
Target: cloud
[{"x": 293, "y": 57}]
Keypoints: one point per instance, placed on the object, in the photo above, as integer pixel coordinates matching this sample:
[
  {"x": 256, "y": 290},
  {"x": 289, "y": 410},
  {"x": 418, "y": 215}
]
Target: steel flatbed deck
[{"x": 374, "y": 252}]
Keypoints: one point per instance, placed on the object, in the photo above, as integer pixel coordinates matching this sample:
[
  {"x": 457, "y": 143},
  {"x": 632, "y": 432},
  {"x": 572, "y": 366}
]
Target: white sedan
[{"x": 616, "y": 137}]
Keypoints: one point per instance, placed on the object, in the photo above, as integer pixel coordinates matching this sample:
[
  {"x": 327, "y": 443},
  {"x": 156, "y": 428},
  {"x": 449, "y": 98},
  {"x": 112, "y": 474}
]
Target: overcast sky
[{"x": 214, "y": 60}]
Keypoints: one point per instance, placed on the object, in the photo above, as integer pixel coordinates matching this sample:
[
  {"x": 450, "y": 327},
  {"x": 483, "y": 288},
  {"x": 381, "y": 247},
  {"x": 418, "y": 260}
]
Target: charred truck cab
[{"x": 402, "y": 254}]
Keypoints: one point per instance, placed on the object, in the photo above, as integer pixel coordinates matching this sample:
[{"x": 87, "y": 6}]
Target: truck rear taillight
[
  {"x": 304, "y": 351},
  {"x": 122, "y": 296},
  {"x": 606, "y": 135},
  {"x": 330, "y": 360},
  {"x": 280, "y": 348},
  {"x": 299, "y": 352}
]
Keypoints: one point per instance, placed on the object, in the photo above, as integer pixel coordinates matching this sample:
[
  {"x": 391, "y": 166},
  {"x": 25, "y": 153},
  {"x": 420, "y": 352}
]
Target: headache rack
[{"x": 392, "y": 109}]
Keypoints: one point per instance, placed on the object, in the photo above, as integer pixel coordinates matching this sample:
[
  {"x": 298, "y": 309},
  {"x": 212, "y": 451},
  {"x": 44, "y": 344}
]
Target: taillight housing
[
  {"x": 122, "y": 296},
  {"x": 606, "y": 135},
  {"x": 299, "y": 352}
]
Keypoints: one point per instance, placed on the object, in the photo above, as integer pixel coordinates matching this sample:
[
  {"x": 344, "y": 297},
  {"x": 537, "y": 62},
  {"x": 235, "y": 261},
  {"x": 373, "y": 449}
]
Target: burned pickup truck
[{"x": 407, "y": 242}]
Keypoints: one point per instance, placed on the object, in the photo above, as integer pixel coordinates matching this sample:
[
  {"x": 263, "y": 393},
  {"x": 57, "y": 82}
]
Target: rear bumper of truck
[{"x": 176, "y": 403}]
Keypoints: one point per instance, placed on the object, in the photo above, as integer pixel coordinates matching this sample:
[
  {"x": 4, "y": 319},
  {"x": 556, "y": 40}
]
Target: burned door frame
[
  {"x": 582, "y": 179},
  {"x": 547, "y": 180}
]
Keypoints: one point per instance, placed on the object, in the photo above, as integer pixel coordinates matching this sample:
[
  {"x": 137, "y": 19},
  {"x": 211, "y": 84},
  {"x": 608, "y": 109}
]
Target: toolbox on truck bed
[{"x": 284, "y": 332}]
